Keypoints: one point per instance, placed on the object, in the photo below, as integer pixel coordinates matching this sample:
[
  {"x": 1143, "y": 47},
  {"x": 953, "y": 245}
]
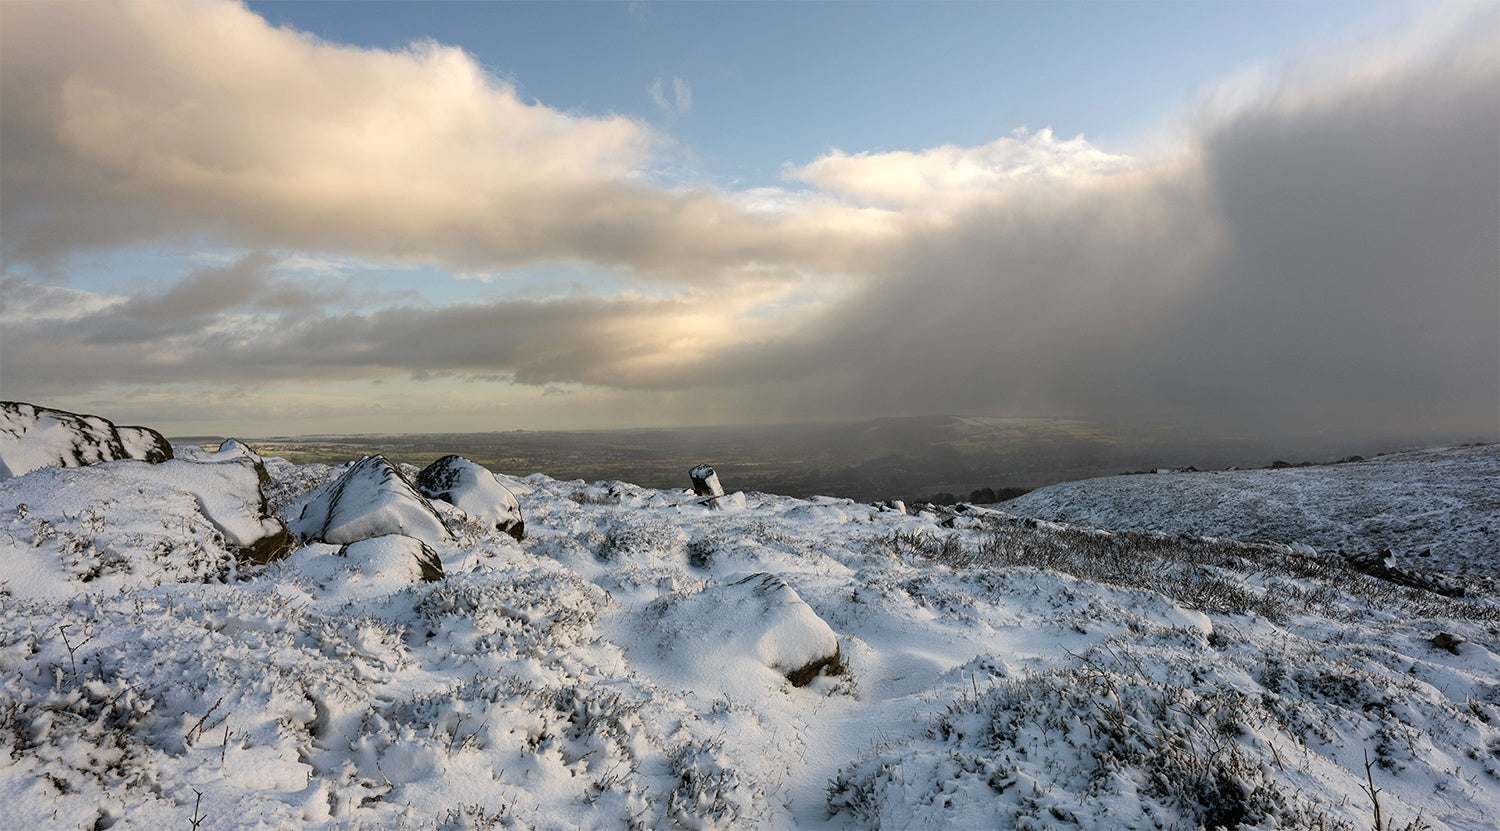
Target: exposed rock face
[
  {"x": 33, "y": 437},
  {"x": 475, "y": 491},
  {"x": 706, "y": 485},
  {"x": 371, "y": 499},
  {"x": 394, "y": 556}
]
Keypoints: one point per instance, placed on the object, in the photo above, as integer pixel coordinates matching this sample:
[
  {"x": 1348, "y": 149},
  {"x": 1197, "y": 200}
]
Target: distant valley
[{"x": 915, "y": 458}]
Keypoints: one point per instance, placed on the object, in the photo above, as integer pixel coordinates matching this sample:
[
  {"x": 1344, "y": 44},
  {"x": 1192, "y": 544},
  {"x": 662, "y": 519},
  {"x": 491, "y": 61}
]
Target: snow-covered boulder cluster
[
  {"x": 33, "y": 437},
  {"x": 374, "y": 499},
  {"x": 112, "y": 505}
]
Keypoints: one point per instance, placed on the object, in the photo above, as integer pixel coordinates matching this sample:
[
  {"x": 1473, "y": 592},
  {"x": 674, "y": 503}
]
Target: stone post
[{"x": 706, "y": 481}]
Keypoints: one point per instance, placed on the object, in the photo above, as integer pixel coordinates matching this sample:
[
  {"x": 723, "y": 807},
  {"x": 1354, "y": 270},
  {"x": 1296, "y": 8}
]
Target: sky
[{"x": 1275, "y": 220}]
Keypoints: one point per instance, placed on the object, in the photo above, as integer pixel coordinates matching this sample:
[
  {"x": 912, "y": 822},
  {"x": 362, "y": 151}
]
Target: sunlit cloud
[
  {"x": 140, "y": 121},
  {"x": 952, "y": 177}
]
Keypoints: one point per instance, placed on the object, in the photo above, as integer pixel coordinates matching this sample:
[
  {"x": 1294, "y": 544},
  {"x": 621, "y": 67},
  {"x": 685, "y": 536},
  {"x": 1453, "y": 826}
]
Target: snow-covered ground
[
  {"x": 626, "y": 665},
  {"x": 1434, "y": 509}
]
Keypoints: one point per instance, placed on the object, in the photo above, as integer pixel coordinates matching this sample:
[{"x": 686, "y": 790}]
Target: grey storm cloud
[
  {"x": 1315, "y": 262},
  {"x": 201, "y": 330}
]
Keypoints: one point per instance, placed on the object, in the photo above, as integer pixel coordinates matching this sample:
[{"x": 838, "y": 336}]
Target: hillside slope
[{"x": 1445, "y": 502}]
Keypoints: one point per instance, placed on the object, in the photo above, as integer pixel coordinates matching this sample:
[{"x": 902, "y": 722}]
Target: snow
[
  {"x": 477, "y": 492},
  {"x": 724, "y": 636},
  {"x": 126, "y": 524},
  {"x": 371, "y": 499},
  {"x": 228, "y": 493},
  {"x": 375, "y": 567},
  {"x": 624, "y": 666},
  {"x": 1440, "y": 501},
  {"x": 34, "y": 437}
]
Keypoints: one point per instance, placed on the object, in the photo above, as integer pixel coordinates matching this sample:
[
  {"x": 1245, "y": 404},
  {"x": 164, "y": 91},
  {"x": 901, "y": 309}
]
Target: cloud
[
  {"x": 241, "y": 322},
  {"x": 1319, "y": 259},
  {"x": 22, "y": 302},
  {"x": 952, "y": 177},
  {"x": 682, "y": 96},
  {"x": 1315, "y": 254},
  {"x": 139, "y": 121}
]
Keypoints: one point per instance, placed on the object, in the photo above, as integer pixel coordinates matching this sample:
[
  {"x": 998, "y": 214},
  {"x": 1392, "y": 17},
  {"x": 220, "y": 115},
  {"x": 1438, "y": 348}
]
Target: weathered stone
[
  {"x": 371, "y": 499},
  {"x": 33, "y": 437},
  {"x": 705, "y": 481},
  {"x": 475, "y": 491}
]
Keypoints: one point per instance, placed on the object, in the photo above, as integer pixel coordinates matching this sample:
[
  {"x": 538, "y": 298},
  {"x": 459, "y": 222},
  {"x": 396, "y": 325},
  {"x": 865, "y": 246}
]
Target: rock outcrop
[
  {"x": 759, "y": 619},
  {"x": 371, "y": 499},
  {"x": 230, "y": 494},
  {"x": 394, "y": 556},
  {"x": 33, "y": 437},
  {"x": 475, "y": 491}
]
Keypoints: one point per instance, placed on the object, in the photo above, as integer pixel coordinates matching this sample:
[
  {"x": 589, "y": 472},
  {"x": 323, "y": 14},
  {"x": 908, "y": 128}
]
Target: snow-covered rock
[
  {"x": 371, "y": 499},
  {"x": 705, "y": 481},
  {"x": 475, "y": 491},
  {"x": 33, "y": 437},
  {"x": 125, "y": 524},
  {"x": 230, "y": 493},
  {"x": 394, "y": 556},
  {"x": 230, "y": 449},
  {"x": 331, "y": 577},
  {"x": 758, "y": 619}
]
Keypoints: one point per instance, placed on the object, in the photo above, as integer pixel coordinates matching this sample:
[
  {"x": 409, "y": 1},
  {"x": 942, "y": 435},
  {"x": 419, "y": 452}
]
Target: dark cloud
[{"x": 1325, "y": 261}]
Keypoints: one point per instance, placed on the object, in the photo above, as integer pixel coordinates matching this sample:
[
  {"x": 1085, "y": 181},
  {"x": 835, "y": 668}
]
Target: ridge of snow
[{"x": 1440, "y": 501}]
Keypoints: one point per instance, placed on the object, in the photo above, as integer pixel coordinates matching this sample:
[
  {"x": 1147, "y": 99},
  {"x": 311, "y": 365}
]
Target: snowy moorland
[
  {"x": 1437, "y": 509},
  {"x": 638, "y": 659}
]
